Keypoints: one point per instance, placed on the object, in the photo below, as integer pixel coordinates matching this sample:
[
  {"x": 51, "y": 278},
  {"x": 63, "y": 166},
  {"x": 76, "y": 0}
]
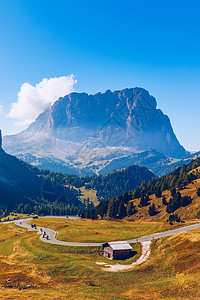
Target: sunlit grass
[
  {"x": 14, "y": 216},
  {"x": 32, "y": 269},
  {"x": 84, "y": 230}
]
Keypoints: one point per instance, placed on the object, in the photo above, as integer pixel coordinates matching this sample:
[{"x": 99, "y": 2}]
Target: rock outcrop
[{"x": 81, "y": 129}]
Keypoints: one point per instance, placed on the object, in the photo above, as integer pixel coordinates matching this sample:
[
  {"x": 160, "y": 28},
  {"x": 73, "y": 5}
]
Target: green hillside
[
  {"x": 18, "y": 183},
  {"x": 174, "y": 192},
  {"x": 25, "y": 189}
]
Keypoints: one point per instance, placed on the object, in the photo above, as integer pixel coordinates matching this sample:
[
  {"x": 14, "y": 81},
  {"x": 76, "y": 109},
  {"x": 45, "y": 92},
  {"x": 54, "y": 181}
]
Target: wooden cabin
[{"x": 117, "y": 250}]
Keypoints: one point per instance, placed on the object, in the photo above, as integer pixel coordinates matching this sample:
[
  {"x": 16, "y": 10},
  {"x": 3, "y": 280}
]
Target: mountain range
[
  {"x": 96, "y": 134},
  {"x": 26, "y": 188}
]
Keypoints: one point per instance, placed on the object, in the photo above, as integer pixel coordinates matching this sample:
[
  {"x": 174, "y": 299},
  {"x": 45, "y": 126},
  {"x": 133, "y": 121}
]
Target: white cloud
[
  {"x": 1, "y": 108},
  {"x": 33, "y": 100}
]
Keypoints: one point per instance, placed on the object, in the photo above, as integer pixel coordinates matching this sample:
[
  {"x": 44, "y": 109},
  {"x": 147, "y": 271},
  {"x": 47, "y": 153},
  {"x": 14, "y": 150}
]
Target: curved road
[
  {"x": 52, "y": 234},
  {"x": 163, "y": 234}
]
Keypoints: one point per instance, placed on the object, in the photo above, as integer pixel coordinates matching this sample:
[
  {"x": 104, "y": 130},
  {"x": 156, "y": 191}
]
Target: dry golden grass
[
  {"x": 196, "y": 170},
  {"x": 189, "y": 212},
  {"x": 90, "y": 193},
  {"x": 31, "y": 269},
  {"x": 14, "y": 216},
  {"x": 88, "y": 231},
  {"x": 35, "y": 270}
]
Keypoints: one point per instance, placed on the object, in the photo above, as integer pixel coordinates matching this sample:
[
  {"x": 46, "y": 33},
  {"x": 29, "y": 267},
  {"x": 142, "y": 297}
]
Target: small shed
[{"x": 117, "y": 250}]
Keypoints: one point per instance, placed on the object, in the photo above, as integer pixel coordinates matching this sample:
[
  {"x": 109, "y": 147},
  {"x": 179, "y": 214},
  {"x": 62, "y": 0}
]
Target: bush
[{"x": 174, "y": 218}]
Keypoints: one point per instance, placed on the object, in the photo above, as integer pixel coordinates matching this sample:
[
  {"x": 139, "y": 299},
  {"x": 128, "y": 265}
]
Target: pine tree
[
  {"x": 164, "y": 201},
  {"x": 152, "y": 210},
  {"x": 158, "y": 192},
  {"x": 130, "y": 209},
  {"x": 198, "y": 192},
  {"x": 121, "y": 210},
  {"x": 144, "y": 200}
]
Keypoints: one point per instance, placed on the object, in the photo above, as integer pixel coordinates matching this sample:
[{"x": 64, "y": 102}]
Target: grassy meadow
[
  {"x": 85, "y": 230},
  {"x": 15, "y": 216},
  {"x": 91, "y": 194},
  {"x": 31, "y": 269}
]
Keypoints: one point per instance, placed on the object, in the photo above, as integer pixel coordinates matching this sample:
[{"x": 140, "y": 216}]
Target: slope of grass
[
  {"x": 15, "y": 216},
  {"x": 85, "y": 230},
  {"x": 89, "y": 193},
  {"x": 36, "y": 270},
  {"x": 190, "y": 212}
]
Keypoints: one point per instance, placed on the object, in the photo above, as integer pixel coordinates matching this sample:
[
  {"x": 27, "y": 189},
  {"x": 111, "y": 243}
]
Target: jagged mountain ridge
[{"x": 89, "y": 133}]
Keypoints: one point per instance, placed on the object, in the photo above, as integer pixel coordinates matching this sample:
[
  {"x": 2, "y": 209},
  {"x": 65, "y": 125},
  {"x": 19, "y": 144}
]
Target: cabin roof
[{"x": 119, "y": 245}]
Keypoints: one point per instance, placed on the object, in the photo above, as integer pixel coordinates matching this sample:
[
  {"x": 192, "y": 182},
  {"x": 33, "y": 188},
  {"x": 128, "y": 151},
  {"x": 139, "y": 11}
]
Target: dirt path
[{"x": 118, "y": 267}]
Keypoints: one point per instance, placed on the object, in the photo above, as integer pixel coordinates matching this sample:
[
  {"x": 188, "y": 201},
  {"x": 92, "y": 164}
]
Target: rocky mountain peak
[
  {"x": 131, "y": 115},
  {"x": 85, "y": 130}
]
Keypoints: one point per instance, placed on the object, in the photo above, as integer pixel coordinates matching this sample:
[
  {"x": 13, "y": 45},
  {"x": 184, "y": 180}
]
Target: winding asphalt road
[
  {"x": 163, "y": 234},
  {"x": 52, "y": 234}
]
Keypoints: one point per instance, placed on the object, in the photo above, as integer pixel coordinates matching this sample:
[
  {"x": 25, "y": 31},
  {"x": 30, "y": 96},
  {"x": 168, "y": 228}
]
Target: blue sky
[{"x": 106, "y": 45}]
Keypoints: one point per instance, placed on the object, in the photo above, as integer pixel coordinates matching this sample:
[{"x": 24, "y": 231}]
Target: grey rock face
[{"x": 101, "y": 126}]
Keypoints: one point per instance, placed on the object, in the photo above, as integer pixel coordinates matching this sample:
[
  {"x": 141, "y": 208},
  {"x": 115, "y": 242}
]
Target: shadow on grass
[{"x": 131, "y": 255}]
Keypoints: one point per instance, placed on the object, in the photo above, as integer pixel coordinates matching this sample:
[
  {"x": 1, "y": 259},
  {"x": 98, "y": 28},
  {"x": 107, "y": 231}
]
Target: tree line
[{"x": 120, "y": 206}]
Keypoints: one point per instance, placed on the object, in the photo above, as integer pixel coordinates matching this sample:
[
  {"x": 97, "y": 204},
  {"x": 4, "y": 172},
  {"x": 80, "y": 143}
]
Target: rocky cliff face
[
  {"x": 100, "y": 126},
  {"x": 129, "y": 117}
]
